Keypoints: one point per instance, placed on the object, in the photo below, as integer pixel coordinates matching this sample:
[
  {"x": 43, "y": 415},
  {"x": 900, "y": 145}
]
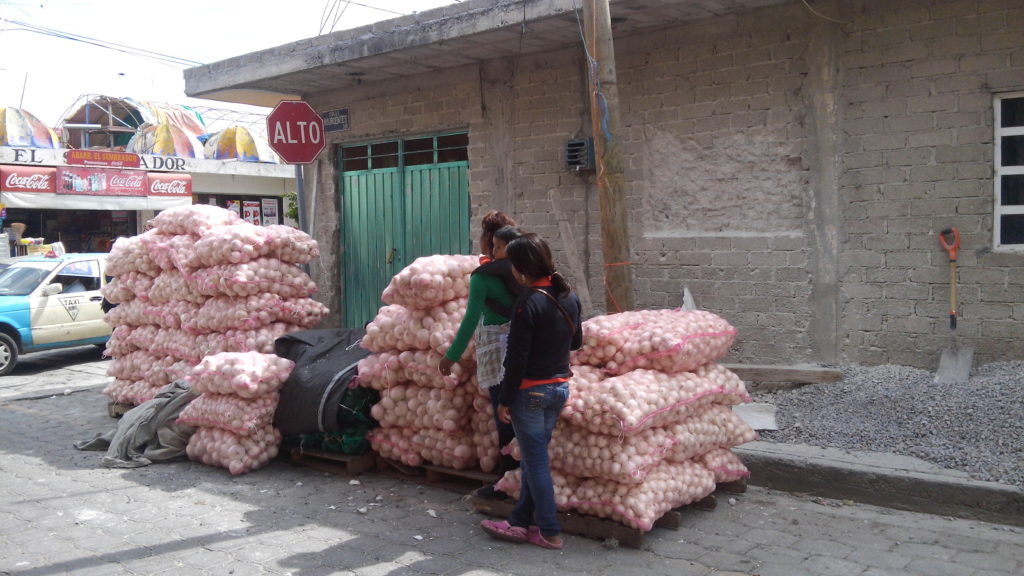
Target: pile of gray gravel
[{"x": 977, "y": 427}]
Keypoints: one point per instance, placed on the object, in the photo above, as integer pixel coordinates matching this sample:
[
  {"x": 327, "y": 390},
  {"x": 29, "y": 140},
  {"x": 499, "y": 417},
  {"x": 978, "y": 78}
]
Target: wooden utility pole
[{"x": 604, "y": 113}]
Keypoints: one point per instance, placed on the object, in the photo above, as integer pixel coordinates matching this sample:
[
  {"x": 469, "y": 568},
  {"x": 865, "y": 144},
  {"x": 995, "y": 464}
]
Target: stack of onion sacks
[
  {"x": 200, "y": 283},
  {"x": 648, "y": 424},
  {"x": 234, "y": 413},
  {"x": 424, "y": 416}
]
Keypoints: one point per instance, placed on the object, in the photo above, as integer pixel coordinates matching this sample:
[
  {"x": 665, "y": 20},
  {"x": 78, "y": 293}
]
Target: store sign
[
  {"x": 101, "y": 182},
  {"x": 105, "y": 182},
  {"x": 106, "y": 158},
  {"x": 165, "y": 184},
  {"x": 28, "y": 179}
]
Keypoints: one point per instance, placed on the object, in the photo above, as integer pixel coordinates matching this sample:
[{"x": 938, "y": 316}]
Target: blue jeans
[{"x": 534, "y": 414}]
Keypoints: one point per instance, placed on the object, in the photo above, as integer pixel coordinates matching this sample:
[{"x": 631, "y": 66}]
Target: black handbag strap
[{"x": 568, "y": 319}]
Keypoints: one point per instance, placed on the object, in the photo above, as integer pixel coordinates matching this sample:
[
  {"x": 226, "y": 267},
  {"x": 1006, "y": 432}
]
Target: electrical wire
[
  {"x": 148, "y": 54},
  {"x": 822, "y": 16}
]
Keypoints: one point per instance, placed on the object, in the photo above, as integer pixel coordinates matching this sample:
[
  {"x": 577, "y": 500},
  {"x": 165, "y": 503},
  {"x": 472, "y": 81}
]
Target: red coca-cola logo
[
  {"x": 33, "y": 182},
  {"x": 168, "y": 187},
  {"x": 119, "y": 181}
]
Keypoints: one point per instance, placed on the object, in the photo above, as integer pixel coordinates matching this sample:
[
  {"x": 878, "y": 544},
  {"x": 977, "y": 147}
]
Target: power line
[{"x": 155, "y": 56}]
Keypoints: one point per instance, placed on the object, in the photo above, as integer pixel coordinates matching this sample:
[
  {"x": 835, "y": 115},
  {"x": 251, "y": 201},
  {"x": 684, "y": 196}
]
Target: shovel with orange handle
[{"x": 955, "y": 362}]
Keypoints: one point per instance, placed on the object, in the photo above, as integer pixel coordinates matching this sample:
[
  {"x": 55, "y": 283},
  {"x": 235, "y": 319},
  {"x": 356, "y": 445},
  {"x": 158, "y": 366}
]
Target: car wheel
[{"x": 8, "y": 354}]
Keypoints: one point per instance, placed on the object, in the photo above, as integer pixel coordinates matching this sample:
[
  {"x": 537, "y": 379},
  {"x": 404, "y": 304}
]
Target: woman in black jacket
[{"x": 545, "y": 328}]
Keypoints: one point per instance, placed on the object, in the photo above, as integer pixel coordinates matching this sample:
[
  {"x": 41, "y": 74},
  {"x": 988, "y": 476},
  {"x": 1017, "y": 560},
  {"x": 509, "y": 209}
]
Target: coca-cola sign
[
  {"x": 101, "y": 182},
  {"x": 27, "y": 179},
  {"x": 167, "y": 184}
]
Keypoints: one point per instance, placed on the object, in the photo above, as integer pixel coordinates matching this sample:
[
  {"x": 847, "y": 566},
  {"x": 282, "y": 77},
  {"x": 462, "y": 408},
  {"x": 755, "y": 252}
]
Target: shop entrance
[
  {"x": 400, "y": 199},
  {"x": 78, "y": 230}
]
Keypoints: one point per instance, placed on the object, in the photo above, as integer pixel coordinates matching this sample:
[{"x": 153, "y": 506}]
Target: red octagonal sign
[{"x": 295, "y": 131}]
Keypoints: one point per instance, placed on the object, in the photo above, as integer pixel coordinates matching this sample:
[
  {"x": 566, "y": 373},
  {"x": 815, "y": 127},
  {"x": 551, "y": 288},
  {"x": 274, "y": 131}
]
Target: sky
[{"x": 46, "y": 74}]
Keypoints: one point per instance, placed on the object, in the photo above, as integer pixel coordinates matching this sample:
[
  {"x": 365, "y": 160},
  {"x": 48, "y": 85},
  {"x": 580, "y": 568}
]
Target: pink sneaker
[
  {"x": 533, "y": 536},
  {"x": 502, "y": 530}
]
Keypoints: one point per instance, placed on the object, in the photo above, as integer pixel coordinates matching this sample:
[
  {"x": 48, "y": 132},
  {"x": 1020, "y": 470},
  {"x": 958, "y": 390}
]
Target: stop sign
[{"x": 295, "y": 131}]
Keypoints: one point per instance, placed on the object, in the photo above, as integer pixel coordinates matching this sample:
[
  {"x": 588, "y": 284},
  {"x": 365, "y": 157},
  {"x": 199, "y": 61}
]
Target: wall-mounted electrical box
[{"x": 579, "y": 154}]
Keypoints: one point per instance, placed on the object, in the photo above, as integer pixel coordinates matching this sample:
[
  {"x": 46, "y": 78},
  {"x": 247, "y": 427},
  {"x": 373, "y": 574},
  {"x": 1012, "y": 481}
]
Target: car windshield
[{"x": 22, "y": 278}]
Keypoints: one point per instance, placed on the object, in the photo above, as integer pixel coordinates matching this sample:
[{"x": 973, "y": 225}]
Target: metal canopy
[{"x": 447, "y": 37}]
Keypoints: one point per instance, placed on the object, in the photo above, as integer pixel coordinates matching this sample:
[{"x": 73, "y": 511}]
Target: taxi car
[{"x": 49, "y": 302}]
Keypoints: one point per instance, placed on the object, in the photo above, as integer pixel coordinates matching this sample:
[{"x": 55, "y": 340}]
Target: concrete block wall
[
  {"x": 918, "y": 80},
  {"x": 725, "y": 165},
  {"x": 713, "y": 113}
]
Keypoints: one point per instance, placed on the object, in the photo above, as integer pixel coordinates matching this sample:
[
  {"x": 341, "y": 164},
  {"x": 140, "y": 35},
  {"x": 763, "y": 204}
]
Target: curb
[{"x": 880, "y": 479}]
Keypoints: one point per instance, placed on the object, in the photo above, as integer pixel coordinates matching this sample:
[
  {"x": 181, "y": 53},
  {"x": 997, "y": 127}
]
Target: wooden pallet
[
  {"x": 440, "y": 476},
  {"x": 331, "y": 462},
  {"x": 118, "y": 409},
  {"x": 605, "y": 529}
]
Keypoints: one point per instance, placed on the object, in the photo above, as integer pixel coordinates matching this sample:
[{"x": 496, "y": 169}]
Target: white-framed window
[{"x": 1009, "y": 169}]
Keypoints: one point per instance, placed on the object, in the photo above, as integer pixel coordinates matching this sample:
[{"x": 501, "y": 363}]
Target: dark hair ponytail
[{"x": 531, "y": 256}]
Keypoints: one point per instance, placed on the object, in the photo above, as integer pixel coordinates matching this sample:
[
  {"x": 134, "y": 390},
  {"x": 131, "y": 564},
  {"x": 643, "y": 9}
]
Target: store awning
[{"x": 83, "y": 188}]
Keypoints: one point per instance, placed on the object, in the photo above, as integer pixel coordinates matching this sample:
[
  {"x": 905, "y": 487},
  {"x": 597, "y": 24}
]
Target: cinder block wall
[
  {"x": 791, "y": 171},
  {"x": 918, "y": 80}
]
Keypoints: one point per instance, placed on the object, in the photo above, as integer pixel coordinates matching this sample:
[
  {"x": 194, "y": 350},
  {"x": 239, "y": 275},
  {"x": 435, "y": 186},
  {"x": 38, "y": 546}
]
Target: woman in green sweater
[{"x": 492, "y": 291}]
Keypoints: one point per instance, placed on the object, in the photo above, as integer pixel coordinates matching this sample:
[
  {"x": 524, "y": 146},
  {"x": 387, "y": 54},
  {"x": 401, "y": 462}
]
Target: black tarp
[{"x": 325, "y": 364}]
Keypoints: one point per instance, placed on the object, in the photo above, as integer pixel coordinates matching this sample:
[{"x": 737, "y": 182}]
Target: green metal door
[{"x": 400, "y": 200}]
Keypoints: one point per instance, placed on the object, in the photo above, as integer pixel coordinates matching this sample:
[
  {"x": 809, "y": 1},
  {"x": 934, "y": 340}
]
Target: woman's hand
[
  {"x": 445, "y": 366},
  {"x": 504, "y": 414}
]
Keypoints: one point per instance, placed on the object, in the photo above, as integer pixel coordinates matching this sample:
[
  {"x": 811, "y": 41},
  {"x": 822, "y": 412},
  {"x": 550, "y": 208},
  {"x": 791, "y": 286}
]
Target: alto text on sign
[{"x": 296, "y": 131}]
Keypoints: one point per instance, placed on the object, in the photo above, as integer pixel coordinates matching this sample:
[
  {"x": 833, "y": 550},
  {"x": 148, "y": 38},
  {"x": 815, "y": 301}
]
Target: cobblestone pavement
[{"x": 61, "y": 513}]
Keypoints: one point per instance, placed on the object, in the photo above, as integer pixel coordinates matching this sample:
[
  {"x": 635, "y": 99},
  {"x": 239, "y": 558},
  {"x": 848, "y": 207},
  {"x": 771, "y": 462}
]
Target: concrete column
[{"x": 821, "y": 92}]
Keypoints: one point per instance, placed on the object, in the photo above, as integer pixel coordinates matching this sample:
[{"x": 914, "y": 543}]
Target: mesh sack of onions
[
  {"x": 238, "y": 454},
  {"x": 170, "y": 252},
  {"x": 259, "y": 340},
  {"x": 243, "y": 374},
  {"x": 172, "y": 285},
  {"x": 262, "y": 275},
  {"x": 666, "y": 340},
  {"x": 244, "y": 242},
  {"x": 116, "y": 292},
  {"x": 412, "y": 447},
  {"x": 711, "y": 426},
  {"x": 643, "y": 399},
  {"x": 120, "y": 342},
  {"x": 385, "y": 369},
  {"x": 235, "y": 244},
  {"x": 243, "y": 416},
  {"x": 129, "y": 255},
  {"x": 194, "y": 219},
  {"x": 167, "y": 342},
  {"x": 669, "y": 485},
  {"x": 138, "y": 283},
  {"x": 223, "y": 313},
  {"x": 724, "y": 464},
  {"x": 131, "y": 392},
  {"x": 399, "y": 328},
  {"x": 141, "y": 365},
  {"x": 407, "y": 405},
  {"x": 430, "y": 281},
  {"x": 118, "y": 390},
  {"x": 623, "y": 459},
  {"x": 485, "y": 435}
]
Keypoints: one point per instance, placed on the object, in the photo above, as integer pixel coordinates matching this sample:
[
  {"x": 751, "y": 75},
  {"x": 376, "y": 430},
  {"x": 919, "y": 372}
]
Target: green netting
[{"x": 354, "y": 424}]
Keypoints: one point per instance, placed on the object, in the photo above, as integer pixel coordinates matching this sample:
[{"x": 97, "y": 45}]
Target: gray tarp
[{"x": 149, "y": 432}]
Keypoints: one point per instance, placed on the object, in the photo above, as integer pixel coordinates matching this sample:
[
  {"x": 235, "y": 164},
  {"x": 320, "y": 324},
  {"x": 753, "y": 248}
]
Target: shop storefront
[{"x": 86, "y": 199}]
